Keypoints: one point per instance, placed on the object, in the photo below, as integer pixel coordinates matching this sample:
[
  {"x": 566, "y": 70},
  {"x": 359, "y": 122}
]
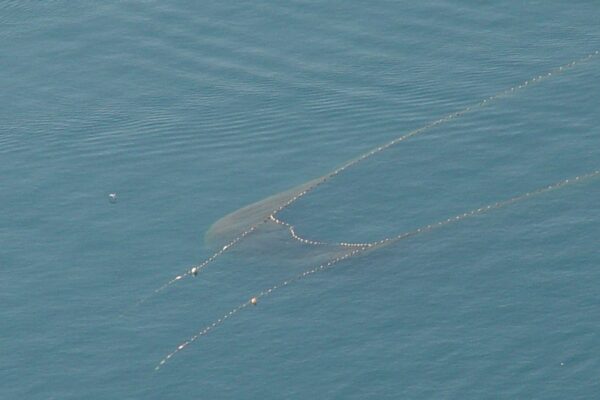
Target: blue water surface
[{"x": 190, "y": 110}]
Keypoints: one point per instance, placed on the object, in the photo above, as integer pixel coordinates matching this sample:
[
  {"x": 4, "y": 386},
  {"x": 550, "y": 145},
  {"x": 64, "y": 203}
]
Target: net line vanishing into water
[
  {"x": 363, "y": 248},
  {"x": 234, "y": 228}
]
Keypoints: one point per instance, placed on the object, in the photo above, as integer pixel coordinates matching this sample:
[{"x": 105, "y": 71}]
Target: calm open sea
[{"x": 190, "y": 110}]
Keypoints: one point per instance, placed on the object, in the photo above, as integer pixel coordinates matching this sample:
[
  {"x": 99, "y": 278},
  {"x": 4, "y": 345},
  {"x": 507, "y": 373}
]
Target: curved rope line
[{"x": 376, "y": 246}]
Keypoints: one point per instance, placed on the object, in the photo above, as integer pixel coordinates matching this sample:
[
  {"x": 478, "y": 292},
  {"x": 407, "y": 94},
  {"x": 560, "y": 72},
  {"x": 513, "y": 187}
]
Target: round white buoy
[
  {"x": 112, "y": 197},
  {"x": 254, "y": 301},
  {"x": 194, "y": 271}
]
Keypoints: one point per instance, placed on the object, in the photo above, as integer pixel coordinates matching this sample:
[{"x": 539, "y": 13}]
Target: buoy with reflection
[{"x": 254, "y": 301}]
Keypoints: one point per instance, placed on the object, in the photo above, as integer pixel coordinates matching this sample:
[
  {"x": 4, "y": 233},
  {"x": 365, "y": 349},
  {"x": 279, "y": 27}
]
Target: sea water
[{"x": 188, "y": 111}]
